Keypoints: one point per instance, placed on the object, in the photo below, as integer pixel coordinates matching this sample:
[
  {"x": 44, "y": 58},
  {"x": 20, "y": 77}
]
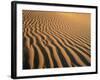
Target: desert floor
[{"x": 55, "y": 39}]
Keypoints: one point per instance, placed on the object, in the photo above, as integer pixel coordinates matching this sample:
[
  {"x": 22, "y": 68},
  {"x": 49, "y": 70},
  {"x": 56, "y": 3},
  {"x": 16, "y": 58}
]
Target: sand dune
[{"x": 55, "y": 39}]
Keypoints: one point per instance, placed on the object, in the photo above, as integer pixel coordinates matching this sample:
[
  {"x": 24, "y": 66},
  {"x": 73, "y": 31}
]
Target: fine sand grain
[{"x": 55, "y": 39}]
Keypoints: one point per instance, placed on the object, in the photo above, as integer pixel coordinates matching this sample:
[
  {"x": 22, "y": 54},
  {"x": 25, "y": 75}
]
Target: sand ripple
[{"x": 52, "y": 39}]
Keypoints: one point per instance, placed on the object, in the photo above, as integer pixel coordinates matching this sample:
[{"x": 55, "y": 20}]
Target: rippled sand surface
[{"x": 55, "y": 39}]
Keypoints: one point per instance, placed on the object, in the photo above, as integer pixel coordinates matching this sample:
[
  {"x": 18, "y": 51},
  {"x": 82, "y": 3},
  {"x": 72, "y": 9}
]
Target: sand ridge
[{"x": 55, "y": 39}]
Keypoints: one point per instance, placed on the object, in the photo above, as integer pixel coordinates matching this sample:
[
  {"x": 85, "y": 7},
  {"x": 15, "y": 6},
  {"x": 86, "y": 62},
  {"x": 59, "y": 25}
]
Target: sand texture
[{"x": 55, "y": 39}]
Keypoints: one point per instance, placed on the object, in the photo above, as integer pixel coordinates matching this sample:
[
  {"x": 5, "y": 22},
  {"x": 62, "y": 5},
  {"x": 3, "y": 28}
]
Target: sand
[{"x": 56, "y": 39}]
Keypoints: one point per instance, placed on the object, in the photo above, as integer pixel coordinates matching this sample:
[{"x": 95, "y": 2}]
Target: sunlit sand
[{"x": 55, "y": 39}]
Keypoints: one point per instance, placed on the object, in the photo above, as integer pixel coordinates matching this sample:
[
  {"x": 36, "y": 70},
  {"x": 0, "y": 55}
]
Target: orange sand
[{"x": 55, "y": 39}]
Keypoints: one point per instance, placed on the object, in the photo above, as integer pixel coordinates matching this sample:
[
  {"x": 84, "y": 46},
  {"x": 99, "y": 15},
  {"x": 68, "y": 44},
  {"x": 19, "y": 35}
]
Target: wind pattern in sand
[{"x": 56, "y": 39}]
